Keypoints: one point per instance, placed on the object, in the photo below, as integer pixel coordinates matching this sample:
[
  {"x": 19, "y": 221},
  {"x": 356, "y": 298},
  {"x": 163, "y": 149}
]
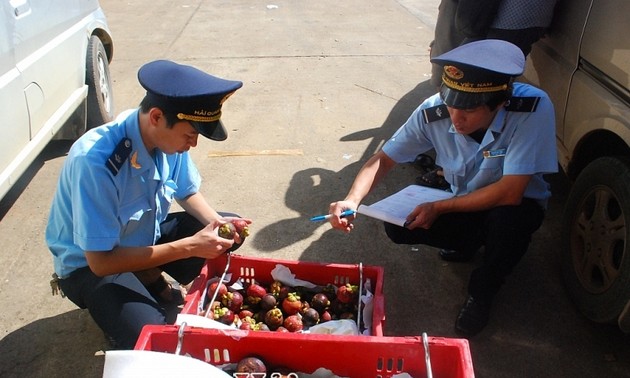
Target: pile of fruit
[{"x": 279, "y": 307}]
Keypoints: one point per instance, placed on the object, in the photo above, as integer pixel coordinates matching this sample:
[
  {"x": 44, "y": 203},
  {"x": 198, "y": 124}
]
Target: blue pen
[{"x": 324, "y": 217}]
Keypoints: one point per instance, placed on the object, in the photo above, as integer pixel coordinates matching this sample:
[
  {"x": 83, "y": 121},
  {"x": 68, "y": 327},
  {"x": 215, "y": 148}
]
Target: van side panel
[
  {"x": 14, "y": 119},
  {"x": 606, "y": 44},
  {"x": 554, "y": 59}
]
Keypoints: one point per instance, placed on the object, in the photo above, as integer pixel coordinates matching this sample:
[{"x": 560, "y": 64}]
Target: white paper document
[{"x": 395, "y": 208}]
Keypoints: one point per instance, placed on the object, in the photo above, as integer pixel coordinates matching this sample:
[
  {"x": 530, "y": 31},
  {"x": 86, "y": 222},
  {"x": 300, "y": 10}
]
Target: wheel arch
[
  {"x": 107, "y": 41},
  {"x": 594, "y": 145}
]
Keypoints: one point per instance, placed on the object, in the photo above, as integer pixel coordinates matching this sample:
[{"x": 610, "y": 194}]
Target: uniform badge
[
  {"x": 494, "y": 153},
  {"x": 435, "y": 113},
  {"x": 453, "y": 72},
  {"x": 134, "y": 160},
  {"x": 522, "y": 104}
]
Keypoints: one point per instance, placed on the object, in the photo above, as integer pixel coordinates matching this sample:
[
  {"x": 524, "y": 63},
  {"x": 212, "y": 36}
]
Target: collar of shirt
[
  {"x": 496, "y": 127},
  {"x": 140, "y": 159}
]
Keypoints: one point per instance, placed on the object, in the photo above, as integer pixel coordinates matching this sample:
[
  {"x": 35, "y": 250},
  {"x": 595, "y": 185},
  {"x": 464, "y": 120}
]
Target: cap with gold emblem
[
  {"x": 478, "y": 71},
  {"x": 189, "y": 93}
]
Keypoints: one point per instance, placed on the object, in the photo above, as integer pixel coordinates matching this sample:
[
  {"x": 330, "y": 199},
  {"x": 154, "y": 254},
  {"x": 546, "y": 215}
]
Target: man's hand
[
  {"x": 336, "y": 208},
  {"x": 422, "y": 216},
  {"x": 208, "y": 244},
  {"x": 205, "y": 244},
  {"x": 507, "y": 191}
]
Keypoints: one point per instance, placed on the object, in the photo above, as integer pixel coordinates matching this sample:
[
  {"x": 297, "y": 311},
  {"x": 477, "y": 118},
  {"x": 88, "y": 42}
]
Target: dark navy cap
[
  {"x": 478, "y": 71},
  {"x": 189, "y": 93}
]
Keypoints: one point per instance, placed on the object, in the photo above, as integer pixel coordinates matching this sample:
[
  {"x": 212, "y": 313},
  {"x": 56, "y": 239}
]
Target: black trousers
[
  {"x": 504, "y": 231},
  {"x": 120, "y": 304}
]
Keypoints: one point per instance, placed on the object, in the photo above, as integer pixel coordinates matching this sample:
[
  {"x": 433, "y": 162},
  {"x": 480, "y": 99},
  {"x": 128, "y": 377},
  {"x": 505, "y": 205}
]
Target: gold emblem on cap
[{"x": 453, "y": 72}]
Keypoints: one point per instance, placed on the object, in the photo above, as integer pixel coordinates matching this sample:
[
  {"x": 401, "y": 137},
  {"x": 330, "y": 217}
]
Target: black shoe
[
  {"x": 424, "y": 163},
  {"x": 434, "y": 179},
  {"x": 473, "y": 317},
  {"x": 456, "y": 256}
]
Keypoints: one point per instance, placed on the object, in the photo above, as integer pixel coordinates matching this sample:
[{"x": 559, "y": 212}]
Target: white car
[
  {"x": 584, "y": 65},
  {"x": 54, "y": 77}
]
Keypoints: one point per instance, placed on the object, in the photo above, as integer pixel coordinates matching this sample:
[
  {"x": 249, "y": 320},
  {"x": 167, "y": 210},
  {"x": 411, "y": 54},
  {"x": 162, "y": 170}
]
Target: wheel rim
[
  {"x": 598, "y": 240},
  {"x": 104, "y": 82}
]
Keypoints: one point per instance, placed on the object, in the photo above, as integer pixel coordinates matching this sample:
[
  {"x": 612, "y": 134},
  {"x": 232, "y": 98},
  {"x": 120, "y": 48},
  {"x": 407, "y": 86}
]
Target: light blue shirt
[
  {"x": 95, "y": 210},
  {"x": 517, "y": 143}
]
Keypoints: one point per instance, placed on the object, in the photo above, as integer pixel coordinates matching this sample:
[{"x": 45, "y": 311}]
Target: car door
[
  {"x": 49, "y": 41},
  {"x": 554, "y": 59},
  {"x": 599, "y": 94},
  {"x": 14, "y": 119}
]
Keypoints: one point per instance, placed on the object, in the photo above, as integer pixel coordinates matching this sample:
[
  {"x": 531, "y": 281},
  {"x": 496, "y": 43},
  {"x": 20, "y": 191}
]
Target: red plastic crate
[
  {"x": 346, "y": 356},
  {"x": 260, "y": 269}
]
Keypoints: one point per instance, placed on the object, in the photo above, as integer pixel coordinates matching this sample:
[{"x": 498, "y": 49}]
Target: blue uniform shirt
[
  {"x": 517, "y": 143},
  {"x": 95, "y": 210}
]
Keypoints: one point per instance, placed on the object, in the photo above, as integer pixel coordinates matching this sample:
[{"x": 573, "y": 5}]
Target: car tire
[
  {"x": 596, "y": 236},
  {"x": 100, "y": 99}
]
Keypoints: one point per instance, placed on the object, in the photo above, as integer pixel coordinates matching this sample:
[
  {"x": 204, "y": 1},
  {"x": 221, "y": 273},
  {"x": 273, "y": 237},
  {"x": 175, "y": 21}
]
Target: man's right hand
[
  {"x": 335, "y": 209},
  {"x": 208, "y": 244}
]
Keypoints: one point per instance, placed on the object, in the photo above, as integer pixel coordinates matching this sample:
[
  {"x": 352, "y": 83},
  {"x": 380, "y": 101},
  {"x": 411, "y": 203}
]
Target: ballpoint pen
[{"x": 324, "y": 217}]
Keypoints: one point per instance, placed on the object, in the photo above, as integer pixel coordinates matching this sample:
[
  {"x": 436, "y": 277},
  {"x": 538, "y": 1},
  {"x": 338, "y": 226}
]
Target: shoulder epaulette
[
  {"x": 119, "y": 156},
  {"x": 522, "y": 104},
  {"x": 435, "y": 113}
]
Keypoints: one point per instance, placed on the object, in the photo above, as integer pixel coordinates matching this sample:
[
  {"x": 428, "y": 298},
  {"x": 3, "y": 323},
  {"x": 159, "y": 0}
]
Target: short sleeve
[{"x": 94, "y": 206}]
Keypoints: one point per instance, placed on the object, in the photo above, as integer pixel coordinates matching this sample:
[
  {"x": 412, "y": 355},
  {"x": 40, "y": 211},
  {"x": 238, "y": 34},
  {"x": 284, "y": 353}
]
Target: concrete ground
[{"x": 325, "y": 84}]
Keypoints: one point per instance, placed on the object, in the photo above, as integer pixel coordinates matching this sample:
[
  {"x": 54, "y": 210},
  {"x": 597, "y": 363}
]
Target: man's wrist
[{"x": 443, "y": 206}]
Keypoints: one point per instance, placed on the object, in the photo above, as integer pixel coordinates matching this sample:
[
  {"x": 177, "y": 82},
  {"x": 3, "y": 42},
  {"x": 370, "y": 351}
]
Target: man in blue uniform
[
  {"x": 110, "y": 231},
  {"x": 494, "y": 139}
]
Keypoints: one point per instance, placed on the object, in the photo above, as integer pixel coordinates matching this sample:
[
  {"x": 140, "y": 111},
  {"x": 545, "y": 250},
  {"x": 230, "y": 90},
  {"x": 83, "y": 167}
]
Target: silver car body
[{"x": 43, "y": 46}]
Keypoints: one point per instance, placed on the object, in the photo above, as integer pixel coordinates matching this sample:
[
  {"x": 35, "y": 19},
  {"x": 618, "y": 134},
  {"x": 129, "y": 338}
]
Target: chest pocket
[
  {"x": 168, "y": 191},
  {"x": 134, "y": 213},
  {"x": 491, "y": 169},
  {"x": 453, "y": 173}
]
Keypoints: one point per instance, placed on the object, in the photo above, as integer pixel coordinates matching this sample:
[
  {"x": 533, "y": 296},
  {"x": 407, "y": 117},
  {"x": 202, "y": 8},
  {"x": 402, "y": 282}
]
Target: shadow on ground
[
  {"x": 54, "y": 149},
  {"x": 20, "y": 350},
  {"x": 308, "y": 198}
]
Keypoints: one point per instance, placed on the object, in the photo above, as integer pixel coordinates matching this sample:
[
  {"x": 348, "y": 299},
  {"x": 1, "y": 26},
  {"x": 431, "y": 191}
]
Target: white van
[
  {"x": 54, "y": 75},
  {"x": 584, "y": 65}
]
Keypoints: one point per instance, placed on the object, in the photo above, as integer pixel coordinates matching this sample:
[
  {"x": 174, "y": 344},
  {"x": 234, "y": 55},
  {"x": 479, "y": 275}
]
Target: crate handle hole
[
  {"x": 390, "y": 364},
  {"x": 226, "y": 355},
  {"x": 341, "y": 280}
]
